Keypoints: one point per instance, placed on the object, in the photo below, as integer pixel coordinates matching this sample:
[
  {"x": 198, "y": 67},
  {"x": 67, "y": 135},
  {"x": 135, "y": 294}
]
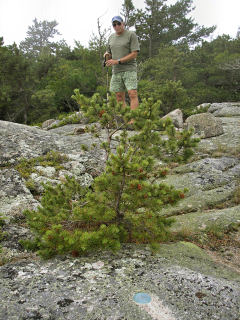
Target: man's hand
[{"x": 111, "y": 62}]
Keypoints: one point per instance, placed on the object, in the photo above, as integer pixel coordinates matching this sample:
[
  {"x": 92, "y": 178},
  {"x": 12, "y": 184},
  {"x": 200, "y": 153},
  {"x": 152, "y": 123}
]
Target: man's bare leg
[
  {"x": 133, "y": 99},
  {"x": 121, "y": 97}
]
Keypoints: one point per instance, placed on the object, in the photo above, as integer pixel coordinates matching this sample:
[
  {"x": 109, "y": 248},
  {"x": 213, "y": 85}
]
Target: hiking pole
[
  {"x": 106, "y": 57},
  {"x": 107, "y": 85}
]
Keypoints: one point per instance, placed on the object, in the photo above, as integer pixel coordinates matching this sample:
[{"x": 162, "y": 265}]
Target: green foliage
[
  {"x": 16, "y": 84},
  {"x": 56, "y": 210},
  {"x": 45, "y": 100},
  {"x": 170, "y": 93},
  {"x": 208, "y": 73},
  {"x": 70, "y": 118},
  {"x": 167, "y": 64},
  {"x": 97, "y": 45},
  {"x": 113, "y": 117},
  {"x": 51, "y": 159},
  {"x": 66, "y": 75},
  {"x": 174, "y": 96},
  {"x": 124, "y": 202},
  {"x": 202, "y": 109},
  {"x": 215, "y": 231},
  {"x": 213, "y": 79},
  {"x": 37, "y": 84}
]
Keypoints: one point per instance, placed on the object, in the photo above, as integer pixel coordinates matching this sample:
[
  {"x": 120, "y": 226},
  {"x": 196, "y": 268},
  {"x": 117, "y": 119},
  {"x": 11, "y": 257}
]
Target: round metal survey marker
[{"x": 142, "y": 298}]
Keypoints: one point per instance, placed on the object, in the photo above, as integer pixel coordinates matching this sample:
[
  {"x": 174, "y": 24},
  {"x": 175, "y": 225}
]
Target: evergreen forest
[{"x": 179, "y": 64}]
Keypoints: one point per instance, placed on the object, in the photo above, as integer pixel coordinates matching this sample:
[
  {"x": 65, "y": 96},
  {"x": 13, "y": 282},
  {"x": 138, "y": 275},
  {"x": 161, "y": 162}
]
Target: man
[{"x": 121, "y": 54}]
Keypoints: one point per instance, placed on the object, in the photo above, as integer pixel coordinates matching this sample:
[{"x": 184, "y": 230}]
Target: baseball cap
[{"x": 117, "y": 18}]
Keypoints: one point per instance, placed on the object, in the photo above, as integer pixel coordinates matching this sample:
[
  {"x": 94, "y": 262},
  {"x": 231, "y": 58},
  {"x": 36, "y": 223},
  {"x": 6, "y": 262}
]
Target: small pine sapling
[{"x": 124, "y": 203}]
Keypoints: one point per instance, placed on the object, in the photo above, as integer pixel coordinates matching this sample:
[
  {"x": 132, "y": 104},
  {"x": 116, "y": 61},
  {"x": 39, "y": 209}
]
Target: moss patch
[
  {"x": 189, "y": 255},
  {"x": 71, "y": 118},
  {"x": 51, "y": 159},
  {"x": 201, "y": 220}
]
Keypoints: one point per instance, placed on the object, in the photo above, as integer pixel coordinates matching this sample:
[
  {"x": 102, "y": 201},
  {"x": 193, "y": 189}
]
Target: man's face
[{"x": 118, "y": 26}]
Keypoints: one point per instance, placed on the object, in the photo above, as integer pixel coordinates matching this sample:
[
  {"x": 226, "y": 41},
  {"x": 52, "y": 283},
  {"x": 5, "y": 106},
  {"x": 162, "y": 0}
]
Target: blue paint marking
[{"x": 142, "y": 298}]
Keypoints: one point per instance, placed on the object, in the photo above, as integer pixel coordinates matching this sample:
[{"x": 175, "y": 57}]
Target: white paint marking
[{"x": 156, "y": 309}]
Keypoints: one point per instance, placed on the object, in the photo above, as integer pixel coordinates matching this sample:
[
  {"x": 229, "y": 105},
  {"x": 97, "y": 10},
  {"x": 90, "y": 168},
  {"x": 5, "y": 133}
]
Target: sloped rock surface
[
  {"x": 21, "y": 141},
  {"x": 103, "y": 287},
  {"x": 200, "y": 220},
  {"x": 227, "y": 109},
  {"x": 209, "y": 181}
]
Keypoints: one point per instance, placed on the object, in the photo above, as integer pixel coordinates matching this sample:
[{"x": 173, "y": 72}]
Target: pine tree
[
  {"x": 125, "y": 201},
  {"x": 160, "y": 24},
  {"x": 38, "y": 38},
  {"x": 128, "y": 13}
]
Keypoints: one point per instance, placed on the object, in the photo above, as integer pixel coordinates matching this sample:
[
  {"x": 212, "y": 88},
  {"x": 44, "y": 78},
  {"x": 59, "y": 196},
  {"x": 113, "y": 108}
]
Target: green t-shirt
[{"x": 120, "y": 46}]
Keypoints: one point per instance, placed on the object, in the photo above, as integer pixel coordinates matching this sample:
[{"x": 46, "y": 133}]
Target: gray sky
[{"x": 78, "y": 19}]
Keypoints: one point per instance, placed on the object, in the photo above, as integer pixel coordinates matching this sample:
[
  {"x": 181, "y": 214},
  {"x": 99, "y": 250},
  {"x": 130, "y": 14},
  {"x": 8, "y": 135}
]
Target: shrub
[{"x": 171, "y": 94}]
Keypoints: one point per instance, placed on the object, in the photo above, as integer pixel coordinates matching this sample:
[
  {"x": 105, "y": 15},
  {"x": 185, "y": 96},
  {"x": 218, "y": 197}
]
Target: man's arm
[
  {"x": 130, "y": 56},
  {"x": 127, "y": 58}
]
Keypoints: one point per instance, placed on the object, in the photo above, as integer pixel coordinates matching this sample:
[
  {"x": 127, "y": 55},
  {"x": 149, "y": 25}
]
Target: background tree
[
  {"x": 37, "y": 82},
  {"x": 128, "y": 13},
  {"x": 167, "y": 64},
  {"x": 53, "y": 95},
  {"x": 16, "y": 84},
  {"x": 38, "y": 38},
  {"x": 238, "y": 33},
  {"x": 98, "y": 44},
  {"x": 208, "y": 73},
  {"x": 207, "y": 78},
  {"x": 160, "y": 25}
]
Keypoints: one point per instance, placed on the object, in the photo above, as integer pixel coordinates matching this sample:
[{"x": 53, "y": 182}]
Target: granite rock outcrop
[{"x": 182, "y": 280}]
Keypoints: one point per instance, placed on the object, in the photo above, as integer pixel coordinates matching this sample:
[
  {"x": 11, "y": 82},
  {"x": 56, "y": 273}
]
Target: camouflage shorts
[{"x": 123, "y": 80}]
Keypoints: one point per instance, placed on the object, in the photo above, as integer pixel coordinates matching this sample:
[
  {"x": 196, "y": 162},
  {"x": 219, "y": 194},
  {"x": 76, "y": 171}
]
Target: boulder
[
  {"x": 176, "y": 116},
  {"x": 205, "y": 125},
  {"x": 202, "y": 106},
  {"x": 225, "y": 144},
  {"x": 47, "y": 123}
]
